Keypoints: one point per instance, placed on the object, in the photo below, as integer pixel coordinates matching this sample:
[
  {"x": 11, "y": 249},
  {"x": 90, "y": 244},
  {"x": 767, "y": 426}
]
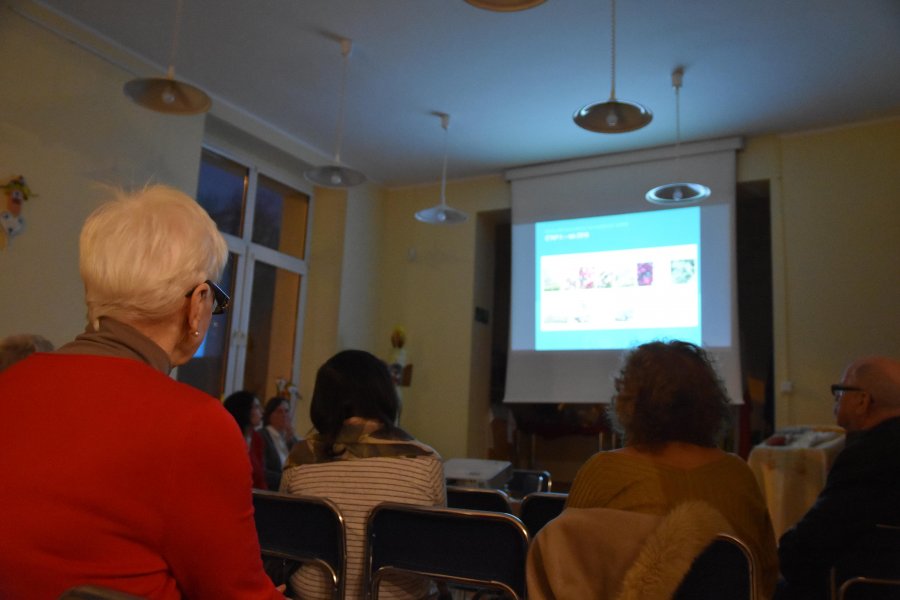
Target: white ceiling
[{"x": 511, "y": 81}]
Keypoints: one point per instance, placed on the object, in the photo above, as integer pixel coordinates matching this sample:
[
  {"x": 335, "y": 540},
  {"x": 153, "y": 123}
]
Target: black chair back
[
  {"x": 539, "y": 508},
  {"x": 473, "y": 548},
  {"x": 869, "y": 588},
  {"x": 726, "y": 569},
  {"x": 478, "y": 499},
  {"x": 301, "y": 529},
  {"x": 96, "y": 592},
  {"x": 870, "y": 568},
  {"x": 527, "y": 481}
]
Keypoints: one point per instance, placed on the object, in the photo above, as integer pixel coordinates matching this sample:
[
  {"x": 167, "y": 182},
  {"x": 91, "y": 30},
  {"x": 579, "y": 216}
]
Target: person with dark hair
[
  {"x": 244, "y": 406},
  {"x": 134, "y": 481},
  {"x": 358, "y": 457},
  {"x": 671, "y": 407},
  {"x": 279, "y": 437},
  {"x": 14, "y": 348}
]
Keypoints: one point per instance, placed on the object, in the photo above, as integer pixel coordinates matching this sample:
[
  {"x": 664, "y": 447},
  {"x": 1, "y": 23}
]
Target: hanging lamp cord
[
  {"x": 612, "y": 42},
  {"x": 444, "y": 124},
  {"x": 176, "y": 31},
  {"x": 345, "y": 53},
  {"x": 677, "y": 117}
]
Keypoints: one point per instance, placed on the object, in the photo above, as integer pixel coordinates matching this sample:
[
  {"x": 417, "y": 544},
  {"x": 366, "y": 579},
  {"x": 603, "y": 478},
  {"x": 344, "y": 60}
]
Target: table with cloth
[{"x": 791, "y": 467}]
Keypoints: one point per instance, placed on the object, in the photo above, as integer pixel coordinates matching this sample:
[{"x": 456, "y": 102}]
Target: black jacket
[{"x": 862, "y": 490}]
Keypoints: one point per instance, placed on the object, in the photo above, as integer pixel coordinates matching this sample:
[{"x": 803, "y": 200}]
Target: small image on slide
[
  {"x": 645, "y": 273},
  {"x": 683, "y": 270}
]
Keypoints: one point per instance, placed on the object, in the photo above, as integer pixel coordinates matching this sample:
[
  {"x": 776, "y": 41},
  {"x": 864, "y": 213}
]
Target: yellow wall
[
  {"x": 427, "y": 274},
  {"x": 836, "y": 243},
  {"x": 321, "y": 323},
  {"x": 66, "y": 125}
]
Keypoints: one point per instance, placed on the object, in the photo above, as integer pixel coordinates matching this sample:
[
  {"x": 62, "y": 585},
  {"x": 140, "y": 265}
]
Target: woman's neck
[
  {"x": 676, "y": 454},
  {"x": 367, "y": 426}
]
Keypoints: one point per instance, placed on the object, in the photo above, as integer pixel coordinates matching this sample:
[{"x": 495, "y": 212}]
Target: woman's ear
[{"x": 197, "y": 302}]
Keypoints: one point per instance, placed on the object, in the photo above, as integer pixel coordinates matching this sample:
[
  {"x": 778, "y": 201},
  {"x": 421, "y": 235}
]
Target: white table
[
  {"x": 792, "y": 475},
  {"x": 477, "y": 472}
]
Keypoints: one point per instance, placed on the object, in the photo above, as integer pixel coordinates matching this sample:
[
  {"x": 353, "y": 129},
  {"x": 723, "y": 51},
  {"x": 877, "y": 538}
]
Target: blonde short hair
[{"x": 142, "y": 252}]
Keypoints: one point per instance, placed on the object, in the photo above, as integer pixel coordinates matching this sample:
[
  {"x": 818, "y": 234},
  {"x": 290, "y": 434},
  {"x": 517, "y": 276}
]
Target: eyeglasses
[
  {"x": 221, "y": 301},
  {"x": 837, "y": 389}
]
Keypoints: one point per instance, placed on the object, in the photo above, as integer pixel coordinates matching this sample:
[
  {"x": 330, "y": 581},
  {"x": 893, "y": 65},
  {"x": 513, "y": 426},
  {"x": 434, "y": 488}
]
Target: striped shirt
[{"x": 357, "y": 486}]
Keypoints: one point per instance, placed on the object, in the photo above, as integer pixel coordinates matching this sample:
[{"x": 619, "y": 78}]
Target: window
[{"x": 265, "y": 222}]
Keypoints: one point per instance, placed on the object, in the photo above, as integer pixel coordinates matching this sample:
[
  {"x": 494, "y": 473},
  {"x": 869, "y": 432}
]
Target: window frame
[{"x": 247, "y": 253}]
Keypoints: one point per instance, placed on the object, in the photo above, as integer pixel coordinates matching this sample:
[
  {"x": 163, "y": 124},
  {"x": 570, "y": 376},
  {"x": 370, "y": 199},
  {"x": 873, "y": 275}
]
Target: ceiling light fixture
[
  {"x": 613, "y": 116},
  {"x": 336, "y": 175},
  {"x": 442, "y": 214},
  {"x": 505, "y": 5},
  {"x": 166, "y": 94},
  {"x": 682, "y": 192}
]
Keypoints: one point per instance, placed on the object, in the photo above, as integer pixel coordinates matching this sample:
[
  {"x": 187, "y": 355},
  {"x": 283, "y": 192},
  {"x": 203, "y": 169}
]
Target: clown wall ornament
[{"x": 16, "y": 192}]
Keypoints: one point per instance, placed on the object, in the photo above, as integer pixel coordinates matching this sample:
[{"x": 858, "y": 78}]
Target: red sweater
[{"x": 113, "y": 474}]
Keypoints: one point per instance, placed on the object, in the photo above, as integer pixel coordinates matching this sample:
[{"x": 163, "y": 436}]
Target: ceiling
[{"x": 511, "y": 81}]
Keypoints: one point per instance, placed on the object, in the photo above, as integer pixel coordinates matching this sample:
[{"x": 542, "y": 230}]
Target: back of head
[
  {"x": 142, "y": 252},
  {"x": 16, "y": 347},
  {"x": 239, "y": 404},
  {"x": 352, "y": 383},
  {"x": 669, "y": 392},
  {"x": 880, "y": 377}
]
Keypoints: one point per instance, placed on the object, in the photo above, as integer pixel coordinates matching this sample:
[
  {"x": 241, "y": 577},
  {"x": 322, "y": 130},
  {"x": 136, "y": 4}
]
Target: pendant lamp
[
  {"x": 337, "y": 175},
  {"x": 682, "y": 192},
  {"x": 442, "y": 214},
  {"x": 613, "y": 116},
  {"x": 505, "y": 5},
  {"x": 166, "y": 94}
]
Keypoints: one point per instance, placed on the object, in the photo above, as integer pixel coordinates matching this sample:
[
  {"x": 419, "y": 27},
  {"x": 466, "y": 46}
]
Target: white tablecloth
[{"x": 792, "y": 475}]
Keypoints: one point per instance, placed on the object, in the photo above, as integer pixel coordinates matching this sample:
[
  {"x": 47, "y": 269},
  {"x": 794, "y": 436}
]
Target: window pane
[
  {"x": 279, "y": 222},
  {"x": 206, "y": 370},
  {"x": 272, "y": 327},
  {"x": 221, "y": 191}
]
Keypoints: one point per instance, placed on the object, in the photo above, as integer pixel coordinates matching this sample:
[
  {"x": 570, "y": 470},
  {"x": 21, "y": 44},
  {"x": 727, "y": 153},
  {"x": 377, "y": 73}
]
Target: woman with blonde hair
[{"x": 134, "y": 481}]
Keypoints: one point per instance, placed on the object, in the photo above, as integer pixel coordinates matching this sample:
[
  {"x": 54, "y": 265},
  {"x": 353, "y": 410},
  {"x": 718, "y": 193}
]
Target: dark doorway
[{"x": 754, "y": 278}]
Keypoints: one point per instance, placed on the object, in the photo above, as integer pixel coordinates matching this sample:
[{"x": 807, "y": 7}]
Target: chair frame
[
  {"x": 302, "y": 550},
  {"x": 838, "y": 592},
  {"x": 448, "y": 522},
  {"x": 486, "y": 499},
  {"x": 538, "y": 499},
  {"x": 545, "y": 482},
  {"x": 96, "y": 592},
  {"x": 848, "y": 583},
  {"x": 752, "y": 568}
]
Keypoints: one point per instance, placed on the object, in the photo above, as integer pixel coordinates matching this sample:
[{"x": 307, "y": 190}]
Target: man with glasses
[{"x": 861, "y": 492}]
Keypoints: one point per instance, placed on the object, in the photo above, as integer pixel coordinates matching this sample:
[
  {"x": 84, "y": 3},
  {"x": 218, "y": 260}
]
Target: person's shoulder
[
  {"x": 400, "y": 438},
  {"x": 607, "y": 461}
]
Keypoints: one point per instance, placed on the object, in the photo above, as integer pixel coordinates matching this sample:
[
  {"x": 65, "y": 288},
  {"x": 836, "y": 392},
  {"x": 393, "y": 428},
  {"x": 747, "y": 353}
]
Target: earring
[{"x": 196, "y": 333}]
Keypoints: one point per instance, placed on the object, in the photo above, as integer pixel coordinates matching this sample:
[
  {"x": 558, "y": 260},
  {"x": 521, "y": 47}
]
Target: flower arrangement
[{"x": 398, "y": 337}]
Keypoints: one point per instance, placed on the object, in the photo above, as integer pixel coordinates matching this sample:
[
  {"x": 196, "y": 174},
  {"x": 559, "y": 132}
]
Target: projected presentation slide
[{"x": 616, "y": 281}]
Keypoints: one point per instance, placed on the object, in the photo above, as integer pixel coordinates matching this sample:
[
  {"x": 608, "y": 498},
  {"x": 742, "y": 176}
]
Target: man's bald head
[{"x": 879, "y": 379}]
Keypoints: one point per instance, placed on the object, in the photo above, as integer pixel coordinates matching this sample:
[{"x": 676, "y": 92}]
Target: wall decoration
[
  {"x": 401, "y": 372},
  {"x": 15, "y": 192}
]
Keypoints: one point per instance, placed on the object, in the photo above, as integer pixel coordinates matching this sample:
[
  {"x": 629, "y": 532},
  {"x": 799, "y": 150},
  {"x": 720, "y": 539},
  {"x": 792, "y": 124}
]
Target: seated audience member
[
  {"x": 134, "y": 481},
  {"x": 671, "y": 407},
  {"x": 16, "y": 347},
  {"x": 862, "y": 489},
  {"x": 358, "y": 458},
  {"x": 279, "y": 437},
  {"x": 247, "y": 411}
]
